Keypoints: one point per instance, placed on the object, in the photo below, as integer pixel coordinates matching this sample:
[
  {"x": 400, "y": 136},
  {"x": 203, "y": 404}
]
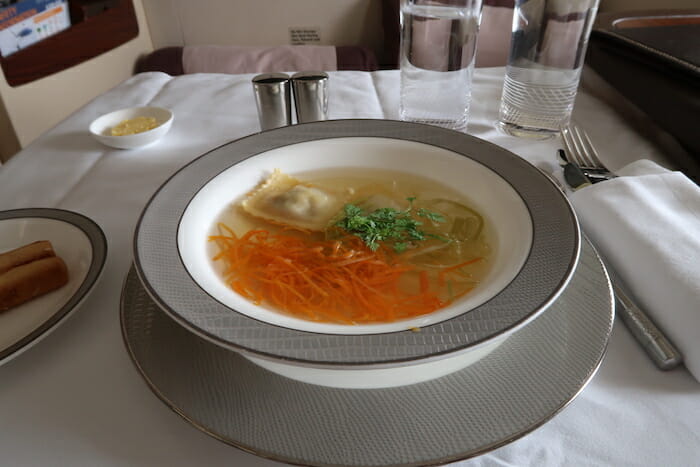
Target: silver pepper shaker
[
  {"x": 310, "y": 95},
  {"x": 273, "y": 99}
]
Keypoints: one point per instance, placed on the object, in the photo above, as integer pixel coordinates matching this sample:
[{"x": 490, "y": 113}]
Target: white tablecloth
[{"x": 76, "y": 398}]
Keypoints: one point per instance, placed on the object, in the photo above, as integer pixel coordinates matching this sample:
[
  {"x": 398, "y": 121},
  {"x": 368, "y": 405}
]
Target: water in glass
[
  {"x": 438, "y": 44},
  {"x": 548, "y": 47}
]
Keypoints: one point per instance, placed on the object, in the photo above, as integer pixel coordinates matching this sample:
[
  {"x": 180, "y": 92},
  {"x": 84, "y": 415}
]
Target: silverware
[
  {"x": 582, "y": 153},
  {"x": 659, "y": 348},
  {"x": 574, "y": 176}
]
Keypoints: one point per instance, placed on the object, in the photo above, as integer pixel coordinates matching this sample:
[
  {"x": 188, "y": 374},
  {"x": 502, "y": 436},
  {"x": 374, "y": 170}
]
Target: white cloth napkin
[{"x": 646, "y": 223}]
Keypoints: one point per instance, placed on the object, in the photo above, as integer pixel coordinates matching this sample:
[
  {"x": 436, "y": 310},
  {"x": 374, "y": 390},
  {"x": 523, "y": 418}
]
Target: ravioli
[{"x": 283, "y": 199}]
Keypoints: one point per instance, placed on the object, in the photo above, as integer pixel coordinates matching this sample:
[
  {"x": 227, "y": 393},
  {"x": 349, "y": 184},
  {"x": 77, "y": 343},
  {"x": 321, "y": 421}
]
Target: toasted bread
[
  {"x": 25, "y": 254},
  {"x": 27, "y": 281}
]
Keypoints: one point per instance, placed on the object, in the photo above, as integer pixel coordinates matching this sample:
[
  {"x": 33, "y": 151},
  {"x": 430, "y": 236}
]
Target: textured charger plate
[
  {"x": 547, "y": 269},
  {"x": 510, "y": 392}
]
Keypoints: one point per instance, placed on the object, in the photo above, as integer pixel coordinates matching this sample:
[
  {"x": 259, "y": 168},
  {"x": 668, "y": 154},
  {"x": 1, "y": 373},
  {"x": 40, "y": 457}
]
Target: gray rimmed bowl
[{"x": 536, "y": 231}]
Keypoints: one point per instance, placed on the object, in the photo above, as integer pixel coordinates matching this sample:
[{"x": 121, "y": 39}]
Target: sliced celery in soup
[{"x": 437, "y": 239}]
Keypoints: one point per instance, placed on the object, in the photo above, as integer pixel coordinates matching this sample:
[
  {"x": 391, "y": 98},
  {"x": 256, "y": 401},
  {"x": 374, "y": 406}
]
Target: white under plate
[
  {"x": 79, "y": 242},
  {"x": 519, "y": 386}
]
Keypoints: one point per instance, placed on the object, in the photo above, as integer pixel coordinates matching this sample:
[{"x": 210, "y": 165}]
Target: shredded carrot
[
  {"x": 330, "y": 281},
  {"x": 339, "y": 281}
]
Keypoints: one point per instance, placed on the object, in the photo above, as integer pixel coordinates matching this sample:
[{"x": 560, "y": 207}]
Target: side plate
[{"x": 80, "y": 242}]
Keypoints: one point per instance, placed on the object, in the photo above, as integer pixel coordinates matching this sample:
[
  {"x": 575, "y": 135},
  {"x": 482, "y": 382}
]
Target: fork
[
  {"x": 582, "y": 153},
  {"x": 659, "y": 348}
]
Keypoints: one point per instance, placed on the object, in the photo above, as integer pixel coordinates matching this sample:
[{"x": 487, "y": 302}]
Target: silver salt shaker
[
  {"x": 310, "y": 95},
  {"x": 273, "y": 99}
]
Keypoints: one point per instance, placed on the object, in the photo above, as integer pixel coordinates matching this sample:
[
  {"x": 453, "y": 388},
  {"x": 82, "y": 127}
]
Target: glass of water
[
  {"x": 438, "y": 45},
  {"x": 547, "y": 49}
]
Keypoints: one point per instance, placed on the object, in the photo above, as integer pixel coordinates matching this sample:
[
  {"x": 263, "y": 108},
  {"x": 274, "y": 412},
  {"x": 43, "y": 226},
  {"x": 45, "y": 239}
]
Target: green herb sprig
[{"x": 388, "y": 225}]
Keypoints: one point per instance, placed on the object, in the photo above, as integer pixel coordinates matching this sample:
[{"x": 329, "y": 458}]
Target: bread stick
[
  {"x": 25, "y": 254},
  {"x": 23, "y": 283}
]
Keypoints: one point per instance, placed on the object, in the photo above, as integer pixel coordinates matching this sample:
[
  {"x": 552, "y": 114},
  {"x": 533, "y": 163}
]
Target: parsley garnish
[{"x": 388, "y": 225}]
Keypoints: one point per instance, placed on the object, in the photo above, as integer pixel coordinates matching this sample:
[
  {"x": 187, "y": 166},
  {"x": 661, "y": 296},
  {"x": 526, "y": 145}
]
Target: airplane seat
[
  {"x": 233, "y": 59},
  {"x": 492, "y": 50}
]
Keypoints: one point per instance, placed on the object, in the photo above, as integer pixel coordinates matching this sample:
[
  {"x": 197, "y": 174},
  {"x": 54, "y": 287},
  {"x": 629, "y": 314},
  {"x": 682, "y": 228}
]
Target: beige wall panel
[
  {"x": 164, "y": 22},
  {"x": 9, "y": 144},
  {"x": 263, "y": 22}
]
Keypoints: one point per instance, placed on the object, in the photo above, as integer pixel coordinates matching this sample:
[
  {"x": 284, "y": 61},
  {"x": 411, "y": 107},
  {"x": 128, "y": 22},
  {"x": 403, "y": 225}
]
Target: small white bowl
[{"x": 101, "y": 127}]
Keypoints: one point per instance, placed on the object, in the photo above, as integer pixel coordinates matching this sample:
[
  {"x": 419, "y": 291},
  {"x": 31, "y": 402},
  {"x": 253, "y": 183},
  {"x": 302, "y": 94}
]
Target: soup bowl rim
[
  {"x": 217, "y": 323},
  {"x": 505, "y": 216}
]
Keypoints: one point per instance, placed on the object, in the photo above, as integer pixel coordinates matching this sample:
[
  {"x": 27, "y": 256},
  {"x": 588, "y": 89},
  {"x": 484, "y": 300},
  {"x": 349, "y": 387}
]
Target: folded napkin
[{"x": 646, "y": 223}]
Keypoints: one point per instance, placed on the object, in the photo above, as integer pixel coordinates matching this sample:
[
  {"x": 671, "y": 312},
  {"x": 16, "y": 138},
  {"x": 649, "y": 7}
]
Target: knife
[
  {"x": 575, "y": 177},
  {"x": 576, "y": 172},
  {"x": 659, "y": 348}
]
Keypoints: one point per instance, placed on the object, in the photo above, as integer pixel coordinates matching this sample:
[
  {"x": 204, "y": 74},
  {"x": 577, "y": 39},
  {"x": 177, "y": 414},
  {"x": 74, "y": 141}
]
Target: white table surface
[{"x": 76, "y": 398}]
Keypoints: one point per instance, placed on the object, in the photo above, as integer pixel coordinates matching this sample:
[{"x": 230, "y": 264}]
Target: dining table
[{"x": 75, "y": 397}]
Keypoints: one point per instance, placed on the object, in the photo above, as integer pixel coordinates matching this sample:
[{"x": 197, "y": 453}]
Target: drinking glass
[
  {"x": 548, "y": 46},
  {"x": 438, "y": 45}
]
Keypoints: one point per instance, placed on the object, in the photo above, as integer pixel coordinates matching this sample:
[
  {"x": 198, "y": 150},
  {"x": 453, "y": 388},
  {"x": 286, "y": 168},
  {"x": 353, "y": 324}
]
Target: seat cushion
[{"x": 246, "y": 59}]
